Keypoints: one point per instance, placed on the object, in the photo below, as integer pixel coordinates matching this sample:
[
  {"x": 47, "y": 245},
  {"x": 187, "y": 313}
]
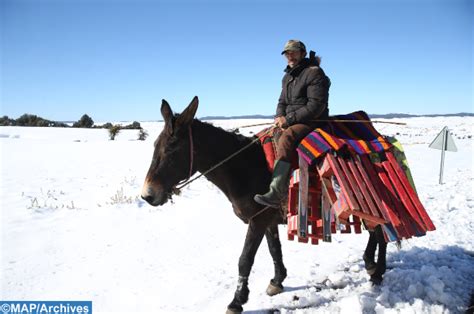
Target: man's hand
[{"x": 281, "y": 122}]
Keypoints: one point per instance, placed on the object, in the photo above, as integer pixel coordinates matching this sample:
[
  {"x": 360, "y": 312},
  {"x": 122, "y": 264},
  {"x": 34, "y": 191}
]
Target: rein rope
[
  {"x": 187, "y": 181},
  {"x": 191, "y": 156},
  {"x": 340, "y": 121}
]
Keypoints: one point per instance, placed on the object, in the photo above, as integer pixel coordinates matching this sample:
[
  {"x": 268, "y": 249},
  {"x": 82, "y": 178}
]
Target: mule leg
[
  {"x": 255, "y": 233},
  {"x": 376, "y": 277},
  {"x": 369, "y": 254},
  {"x": 274, "y": 245}
]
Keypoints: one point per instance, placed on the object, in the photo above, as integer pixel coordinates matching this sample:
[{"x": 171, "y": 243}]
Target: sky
[{"x": 117, "y": 60}]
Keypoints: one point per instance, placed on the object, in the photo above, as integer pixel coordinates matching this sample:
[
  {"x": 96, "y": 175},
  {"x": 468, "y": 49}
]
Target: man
[{"x": 303, "y": 101}]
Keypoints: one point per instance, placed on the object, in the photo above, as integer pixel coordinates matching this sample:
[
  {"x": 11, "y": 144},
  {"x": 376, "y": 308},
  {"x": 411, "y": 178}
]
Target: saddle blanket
[
  {"x": 353, "y": 131},
  {"x": 359, "y": 137}
]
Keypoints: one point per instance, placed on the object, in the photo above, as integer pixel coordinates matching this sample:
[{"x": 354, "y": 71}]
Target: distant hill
[
  {"x": 256, "y": 116},
  {"x": 403, "y": 115},
  {"x": 383, "y": 116}
]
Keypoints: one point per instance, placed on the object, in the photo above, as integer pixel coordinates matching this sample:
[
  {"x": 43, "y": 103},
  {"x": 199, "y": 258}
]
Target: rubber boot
[{"x": 278, "y": 186}]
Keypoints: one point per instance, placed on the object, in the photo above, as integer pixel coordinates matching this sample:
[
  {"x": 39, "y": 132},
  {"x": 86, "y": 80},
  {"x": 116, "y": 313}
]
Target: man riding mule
[
  {"x": 303, "y": 101},
  {"x": 187, "y": 145}
]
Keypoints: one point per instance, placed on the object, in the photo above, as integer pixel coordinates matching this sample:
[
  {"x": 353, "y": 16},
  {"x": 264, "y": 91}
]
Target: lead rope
[{"x": 177, "y": 189}]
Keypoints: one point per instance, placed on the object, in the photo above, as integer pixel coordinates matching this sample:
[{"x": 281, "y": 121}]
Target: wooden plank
[
  {"x": 295, "y": 178},
  {"x": 347, "y": 224},
  {"x": 292, "y": 224},
  {"x": 389, "y": 205},
  {"x": 353, "y": 184},
  {"x": 389, "y": 233},
  {"x": 314, "y": 209},
  {"x": 370, "y": 186},
  {"x": 412, "y": 227},
  {"x": 292, "y": 201},
  {"x": 398, "y": 186},
  {"x": 357, "y": 225},
  {"x": 324, "y": 168},
  {"x": 368, "y": 217},
  {"x": 331, "y": 199},
  {"x": 347, "y": 227},
  {"x": 340, "y": 206},
  {"x": 326, "y": 215},
  {"x": 302, "y": 240},
  {"x": 318, "y": 229},
  {"x": 303, "y": 199},
  {"x": 400, "y": 209},
  {"x": 364, "y": 214},
  {"x": 328, "y": 189},
  {"x": 362, "y": 186},
  {"x": 345, "y": 187},
  {"x": 315, "y": 212},
  {"x": 410, "y": 191}
]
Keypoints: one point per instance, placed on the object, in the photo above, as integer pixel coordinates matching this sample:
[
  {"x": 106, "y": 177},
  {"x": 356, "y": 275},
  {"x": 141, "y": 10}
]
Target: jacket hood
[{"x": 313, "y": 60}]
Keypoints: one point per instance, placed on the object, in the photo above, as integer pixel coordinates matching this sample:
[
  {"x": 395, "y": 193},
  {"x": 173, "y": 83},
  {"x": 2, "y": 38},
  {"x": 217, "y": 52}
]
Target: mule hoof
[
  {"x": 376, "y": 280},
  {"x": 370, "y": 265},
  {"x": 371, "y": 269},
  {"x": 274, "y": 289},
  {"x": 234, "y": 310}
]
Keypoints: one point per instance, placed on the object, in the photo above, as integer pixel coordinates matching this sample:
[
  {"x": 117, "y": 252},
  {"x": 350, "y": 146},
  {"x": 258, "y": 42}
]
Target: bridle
[
  {"x": 188, "y": 180},
  {"x": 182, "y": 183}
]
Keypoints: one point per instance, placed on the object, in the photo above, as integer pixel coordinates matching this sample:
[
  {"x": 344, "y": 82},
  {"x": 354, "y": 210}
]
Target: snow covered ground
[{"x": 74, "y": 228}]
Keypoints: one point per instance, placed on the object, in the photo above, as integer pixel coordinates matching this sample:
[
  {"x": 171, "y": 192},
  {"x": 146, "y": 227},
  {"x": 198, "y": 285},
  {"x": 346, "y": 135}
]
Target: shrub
[
  {"x": 142, "y": 135},
  {"x": 43, "y": 123},
  {"x": 28, "y": 120},
  {"x": 134, "y": 126},
  {"x": 114, "y": 131},
  {"x": 58, "y": 124},
  {"x": 6, "y": 121},
  {"x": 108, "y": 125},
  {"x": 84, "y": 122}
]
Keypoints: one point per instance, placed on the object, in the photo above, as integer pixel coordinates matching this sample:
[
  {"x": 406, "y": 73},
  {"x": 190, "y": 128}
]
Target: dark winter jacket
[{"x": 305, "y": 93}]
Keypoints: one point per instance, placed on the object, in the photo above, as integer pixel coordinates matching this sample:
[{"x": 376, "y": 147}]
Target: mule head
[{"x": 171, "y": 162}]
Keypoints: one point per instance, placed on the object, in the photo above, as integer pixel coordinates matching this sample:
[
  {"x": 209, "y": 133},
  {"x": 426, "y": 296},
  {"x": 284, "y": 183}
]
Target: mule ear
[
  {"x": 187, "y": 116},
  {"x": 166, "y": 112}
]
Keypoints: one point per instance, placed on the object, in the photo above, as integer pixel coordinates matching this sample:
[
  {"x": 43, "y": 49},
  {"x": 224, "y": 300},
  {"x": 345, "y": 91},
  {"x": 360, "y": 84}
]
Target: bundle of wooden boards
[{"x": 353, "y": 175}]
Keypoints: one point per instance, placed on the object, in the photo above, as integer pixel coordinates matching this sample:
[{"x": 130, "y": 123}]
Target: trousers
[{"x": 290, "y": 138}]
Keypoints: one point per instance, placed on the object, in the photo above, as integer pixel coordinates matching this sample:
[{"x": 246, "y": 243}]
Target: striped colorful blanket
[{"x": 359, "y": 137}]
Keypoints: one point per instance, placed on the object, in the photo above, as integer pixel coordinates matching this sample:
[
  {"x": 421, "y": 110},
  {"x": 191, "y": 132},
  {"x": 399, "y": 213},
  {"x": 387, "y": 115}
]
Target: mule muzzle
[{"x": 155, "y": 196}]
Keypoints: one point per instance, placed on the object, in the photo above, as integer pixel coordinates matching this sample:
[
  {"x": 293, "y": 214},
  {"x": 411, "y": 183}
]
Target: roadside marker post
[{"x": 443, "y": 141}]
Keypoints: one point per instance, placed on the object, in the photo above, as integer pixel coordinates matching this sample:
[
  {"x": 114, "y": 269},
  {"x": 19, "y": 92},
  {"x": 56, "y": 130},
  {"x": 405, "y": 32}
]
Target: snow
[{"x": 74, "y": 228}]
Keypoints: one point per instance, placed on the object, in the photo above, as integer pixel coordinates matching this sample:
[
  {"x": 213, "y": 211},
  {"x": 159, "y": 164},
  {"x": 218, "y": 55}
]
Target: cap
[{"x": 293, "y": 45}]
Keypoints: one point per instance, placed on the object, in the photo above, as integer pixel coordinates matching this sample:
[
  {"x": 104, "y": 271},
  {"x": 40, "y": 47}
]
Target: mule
[{"x": 186, "y": 146}]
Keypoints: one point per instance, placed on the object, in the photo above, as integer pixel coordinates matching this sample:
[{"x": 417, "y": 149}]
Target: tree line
[{"x": 84, "y": 122}]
